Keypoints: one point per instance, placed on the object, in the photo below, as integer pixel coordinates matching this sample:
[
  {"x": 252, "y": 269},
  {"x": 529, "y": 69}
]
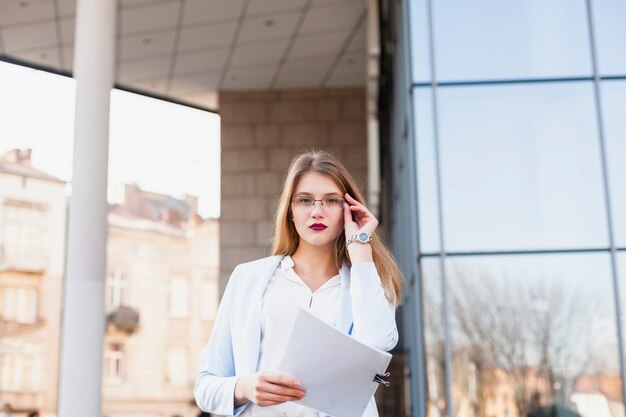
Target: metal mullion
[
  {"x": 413, "y": 196},
  {"x": 442, "y": 250},
  {"x": 516, "y": 252},
  {"x": 517, "y": 81},
  {"x": 607, "y": 198}
]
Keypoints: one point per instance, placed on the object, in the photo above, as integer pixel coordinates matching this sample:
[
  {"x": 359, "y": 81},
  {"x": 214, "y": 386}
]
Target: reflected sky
[
  {"x": 614, "y": 110},
  {"x": 491, "y": 39},
  {"x": 520, "y": 168},
  {"x": 609, "y": 17}
]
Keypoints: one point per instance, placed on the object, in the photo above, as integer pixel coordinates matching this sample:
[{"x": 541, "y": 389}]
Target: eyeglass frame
[{"x": 312, "y": 205}]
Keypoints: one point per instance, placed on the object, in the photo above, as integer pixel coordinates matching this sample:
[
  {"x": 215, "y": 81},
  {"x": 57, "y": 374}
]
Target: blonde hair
[{"x": 286, "y": 238}]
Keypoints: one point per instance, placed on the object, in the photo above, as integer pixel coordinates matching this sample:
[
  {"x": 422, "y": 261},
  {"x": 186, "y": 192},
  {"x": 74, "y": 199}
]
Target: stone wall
[{"x": 261, "y": 133}]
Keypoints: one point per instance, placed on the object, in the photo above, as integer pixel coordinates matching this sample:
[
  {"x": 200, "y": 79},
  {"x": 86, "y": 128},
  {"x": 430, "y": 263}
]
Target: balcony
[{"x": 124, "y": 318}]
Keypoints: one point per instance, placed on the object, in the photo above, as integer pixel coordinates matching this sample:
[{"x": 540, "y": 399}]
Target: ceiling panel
[
  {"x": 200, "y": 61},
  {"x": 318, "y": 45},
  {"x": 68, "y": 58},
  {"x": 208, "y": 99},
  {"x": 273, "y": 6},
  {"x": 358, "y": 41},
  {"x": 304, "y": 73},
  {"x": 255, "y": 54},
  {"x": 68, "y": 27},
  {"x": 209, "y": 36},
  {"x": 19, "y": 11},
  {"x": 37, "y": 35},
  {"x": 146, "y": 45},
  {"x": 197, "y": 83},
  {"x": 258, "y": 78},
  {"x": 197, "y": 11},
  {"x": 48, "y": 57},
  {"x": 155, "y": 17},
  {"x": 269, "y": 27},
  {"x": 144, "y": 70},
  {"x": 154, "y": 86},
  {"x": 147, "y": 35},
  {"x": 66, "y": 7},
  {"x": 342, "y": 16}
]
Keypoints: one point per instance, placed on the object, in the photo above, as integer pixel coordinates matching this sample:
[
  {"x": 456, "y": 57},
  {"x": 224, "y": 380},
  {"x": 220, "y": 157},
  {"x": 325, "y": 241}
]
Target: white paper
[{"x": 336, "y": 370}]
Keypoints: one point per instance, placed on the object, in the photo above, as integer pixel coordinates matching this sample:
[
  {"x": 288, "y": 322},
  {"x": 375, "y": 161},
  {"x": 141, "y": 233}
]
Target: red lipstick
[{"x": 317, "y": 226}]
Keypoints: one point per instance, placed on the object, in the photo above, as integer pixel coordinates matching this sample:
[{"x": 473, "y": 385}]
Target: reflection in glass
[
  {"x": 520, "y": 167},
  {"x": 610, "y": 32},
  {"x": 614, "y": 103},
  {"x": 419, "y": 41},
  {"x": 510, "y": 39},
  {"x": 531, "y": 335},
  {"x": 433, "y": 337},
  {"x": 426, "y": 170}
]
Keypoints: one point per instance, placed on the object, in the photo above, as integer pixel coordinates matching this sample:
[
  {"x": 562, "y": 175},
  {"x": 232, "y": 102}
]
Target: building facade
[{"x": 161, "y": 295}]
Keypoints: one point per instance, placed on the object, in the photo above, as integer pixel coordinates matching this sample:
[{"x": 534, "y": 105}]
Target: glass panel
[
  {"x": 510, "y": 39},
  {"x": 419, "y": 40},
  {"x": 614, "y": 108},
  {"x": 532, "y": 336},
  {"x": 433, "y": 337},
  {"x": 426, "y": 170},
  {"x": 610, "y": 31},
  {"x": 520, "y": 167}
]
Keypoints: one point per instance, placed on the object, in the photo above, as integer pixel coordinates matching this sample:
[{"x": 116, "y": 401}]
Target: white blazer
[{"x": 234, "y": 346}]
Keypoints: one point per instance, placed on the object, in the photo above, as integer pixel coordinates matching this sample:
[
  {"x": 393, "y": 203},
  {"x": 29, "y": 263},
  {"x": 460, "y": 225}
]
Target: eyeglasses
[{"x": 330, "y": 203}]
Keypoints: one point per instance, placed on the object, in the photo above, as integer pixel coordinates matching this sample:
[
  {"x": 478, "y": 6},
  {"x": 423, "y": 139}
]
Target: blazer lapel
[{"x": 252, "y": 321}]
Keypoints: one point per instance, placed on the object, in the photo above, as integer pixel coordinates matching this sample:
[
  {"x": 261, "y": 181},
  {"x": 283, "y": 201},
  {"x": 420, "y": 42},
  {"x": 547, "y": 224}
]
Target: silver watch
[{"x": 360, "y": 237}]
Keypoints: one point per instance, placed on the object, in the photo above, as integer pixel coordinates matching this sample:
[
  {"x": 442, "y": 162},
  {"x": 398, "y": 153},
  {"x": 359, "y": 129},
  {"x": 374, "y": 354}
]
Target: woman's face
[{"x": 310, "y": 220}]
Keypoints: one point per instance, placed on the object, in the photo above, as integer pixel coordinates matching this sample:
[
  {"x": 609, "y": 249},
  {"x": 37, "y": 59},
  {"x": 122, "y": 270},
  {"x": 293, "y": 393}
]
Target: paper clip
[{"x": 379, "y": 379}]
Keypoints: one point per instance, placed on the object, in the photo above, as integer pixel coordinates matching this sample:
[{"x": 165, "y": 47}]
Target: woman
[{"x": 324, "y": 261}]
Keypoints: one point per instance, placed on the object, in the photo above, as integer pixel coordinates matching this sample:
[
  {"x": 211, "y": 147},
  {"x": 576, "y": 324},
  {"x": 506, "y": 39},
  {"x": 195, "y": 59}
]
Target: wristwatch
[{"x": 360, "y": 237}]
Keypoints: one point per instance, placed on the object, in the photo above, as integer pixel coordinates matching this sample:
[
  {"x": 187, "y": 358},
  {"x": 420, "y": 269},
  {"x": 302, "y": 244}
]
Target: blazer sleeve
[
  {"x": 214, "y": 389},
  {"x": 374, "y": 317}
]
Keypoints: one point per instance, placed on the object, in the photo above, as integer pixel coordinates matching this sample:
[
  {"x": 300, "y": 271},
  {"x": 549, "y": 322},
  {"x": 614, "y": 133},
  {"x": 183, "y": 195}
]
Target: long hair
[{"x": 286, "y": 238}]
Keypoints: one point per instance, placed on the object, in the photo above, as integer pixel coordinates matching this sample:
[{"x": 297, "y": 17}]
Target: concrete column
[{"x": 83, "y": 323}]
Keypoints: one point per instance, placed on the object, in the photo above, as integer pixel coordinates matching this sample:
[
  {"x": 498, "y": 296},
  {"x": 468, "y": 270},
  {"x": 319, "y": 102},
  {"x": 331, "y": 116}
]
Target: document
[{"x": 336, "y": 370}]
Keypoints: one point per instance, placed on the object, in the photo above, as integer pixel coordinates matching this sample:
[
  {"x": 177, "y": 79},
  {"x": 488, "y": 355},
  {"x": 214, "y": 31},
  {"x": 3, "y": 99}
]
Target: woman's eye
[
  {"x": 304, "y": 200},
  {"x": 332, "y": 200}
]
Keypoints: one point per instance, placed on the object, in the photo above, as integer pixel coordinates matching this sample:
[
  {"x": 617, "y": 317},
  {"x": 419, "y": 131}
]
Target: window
[
  {"x": 177, "y": 367},
  {"x": 179, "y": 297},
  {"x": 116, "y": 290},
  {"x": 114, "y": 363},
  {"x": 19, "y": 305},
  {"x": 20, "y": 366},
  {"x": 24, "y": 233}
]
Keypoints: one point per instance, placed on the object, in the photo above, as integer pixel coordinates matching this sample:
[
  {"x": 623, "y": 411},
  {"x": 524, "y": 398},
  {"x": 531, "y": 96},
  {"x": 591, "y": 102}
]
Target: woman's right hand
[{"x": 267, "y": 388}]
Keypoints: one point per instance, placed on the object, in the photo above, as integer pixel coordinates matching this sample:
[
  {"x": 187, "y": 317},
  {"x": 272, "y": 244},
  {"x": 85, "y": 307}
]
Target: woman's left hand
[{"x": 364, "y": 220}]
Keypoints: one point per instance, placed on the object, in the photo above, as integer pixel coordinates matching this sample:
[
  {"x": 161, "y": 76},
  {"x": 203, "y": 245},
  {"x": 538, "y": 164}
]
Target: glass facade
[{"x": 517, "y": 131}]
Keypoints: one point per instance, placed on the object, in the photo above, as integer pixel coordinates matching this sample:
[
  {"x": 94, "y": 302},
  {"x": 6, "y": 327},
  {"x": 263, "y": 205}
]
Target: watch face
[{"x": 363, "y": 237}]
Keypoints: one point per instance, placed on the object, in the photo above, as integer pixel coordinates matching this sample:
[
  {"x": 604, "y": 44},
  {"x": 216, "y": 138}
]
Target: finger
[
  {"x": 347, "y": 214},
  {"x": 274, "y": 392},
  {"x": 353, "y": 200},
  {"x": 283, "y": 390},
  {"x": 282, "y": 380}
]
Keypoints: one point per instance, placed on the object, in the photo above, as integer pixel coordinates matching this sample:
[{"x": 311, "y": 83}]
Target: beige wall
[
  {"x": 261, "y": 132},
  {"x": 39, "y": 340},
  {"x": 150, "y": 259}
]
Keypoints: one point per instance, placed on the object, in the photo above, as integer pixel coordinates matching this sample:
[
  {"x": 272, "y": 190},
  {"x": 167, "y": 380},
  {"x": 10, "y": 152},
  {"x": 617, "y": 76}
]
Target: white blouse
[{"x": 285, "y": 294}]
